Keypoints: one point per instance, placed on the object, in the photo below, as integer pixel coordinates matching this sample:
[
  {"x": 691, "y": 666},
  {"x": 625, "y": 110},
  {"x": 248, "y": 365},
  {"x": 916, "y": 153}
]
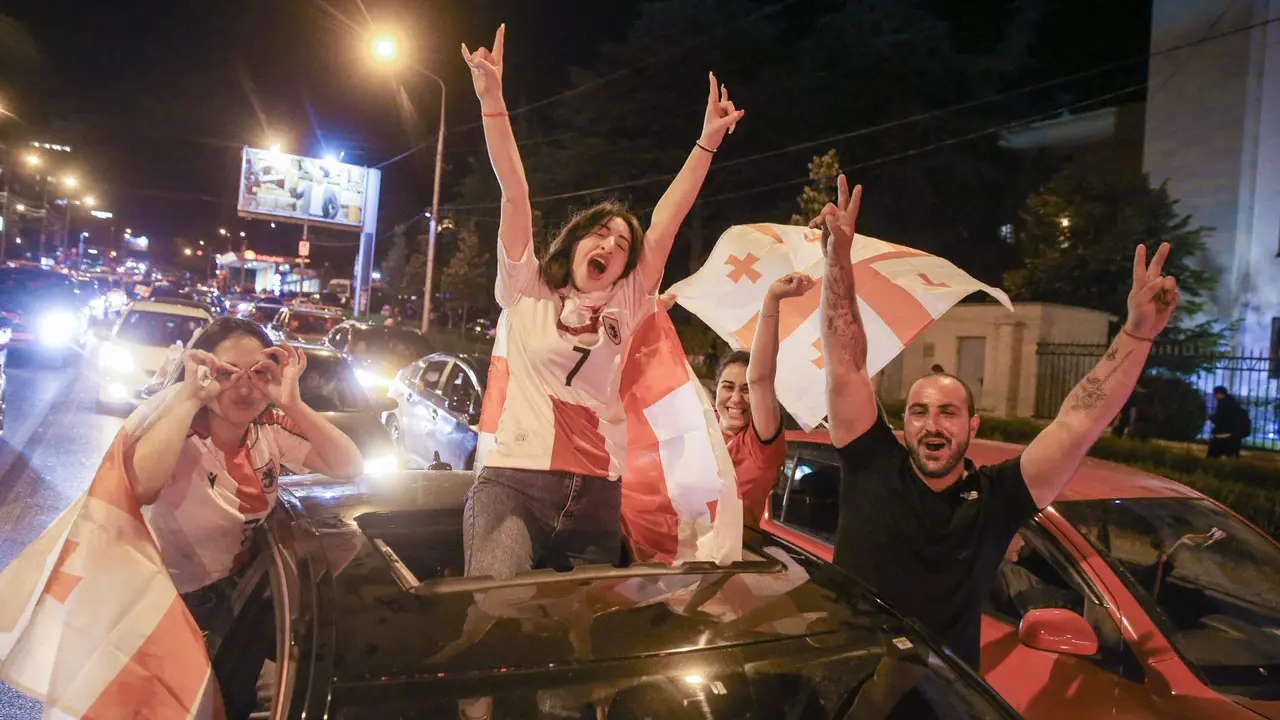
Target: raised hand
[
  {"x": 276, "y": 375},
  {"x": 486, "y": 70},
  {"x": 790, "y": 285},
  {"x": 205, "y": 376},
  {"x": 1154, "y": 296},
  {"x": 839, "y": 221},
  {"x": 721, "y": 115}
]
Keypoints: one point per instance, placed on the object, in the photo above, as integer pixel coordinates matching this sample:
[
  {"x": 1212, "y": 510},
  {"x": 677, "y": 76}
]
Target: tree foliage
[
  {"x": 468, "y": 278},
  {"x": 396, "y": 261},
  {"x": 824, "y": 172}
]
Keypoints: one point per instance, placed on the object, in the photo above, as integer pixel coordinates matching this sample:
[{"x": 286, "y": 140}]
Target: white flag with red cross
[
  {"x": 901, "y": 291},
  {"x": 91, "y": 624}
]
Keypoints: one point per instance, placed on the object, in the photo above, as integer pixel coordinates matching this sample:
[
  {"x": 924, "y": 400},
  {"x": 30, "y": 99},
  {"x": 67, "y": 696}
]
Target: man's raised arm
[
  {"x": 1055, "y": 454},
  {"x": 851, "y": 401}
]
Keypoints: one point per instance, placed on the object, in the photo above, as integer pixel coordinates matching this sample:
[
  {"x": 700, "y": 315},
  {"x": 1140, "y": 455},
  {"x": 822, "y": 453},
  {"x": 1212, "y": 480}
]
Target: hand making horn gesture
[
  {"x": 721, "y": 115},
  {"x": 486, "y": 69}
]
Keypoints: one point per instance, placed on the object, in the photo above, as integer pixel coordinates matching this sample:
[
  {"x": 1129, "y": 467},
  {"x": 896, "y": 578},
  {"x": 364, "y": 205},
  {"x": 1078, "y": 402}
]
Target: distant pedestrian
[{"x": 1231, "y": 425}]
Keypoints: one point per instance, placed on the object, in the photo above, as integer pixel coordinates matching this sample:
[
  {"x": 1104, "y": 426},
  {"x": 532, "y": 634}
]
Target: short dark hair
[
  {"x": 557, "y": 266},
  {"x": 968, "y": 392},
  {"x": 213, "y": 334},
  {"x": 1220, "y": 389},
  {"x": 735, "y": 357}
]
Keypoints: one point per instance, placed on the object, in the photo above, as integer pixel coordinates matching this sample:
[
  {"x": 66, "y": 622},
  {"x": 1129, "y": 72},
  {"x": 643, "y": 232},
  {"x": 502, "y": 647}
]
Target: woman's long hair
[{"x": 557, "y": 266}]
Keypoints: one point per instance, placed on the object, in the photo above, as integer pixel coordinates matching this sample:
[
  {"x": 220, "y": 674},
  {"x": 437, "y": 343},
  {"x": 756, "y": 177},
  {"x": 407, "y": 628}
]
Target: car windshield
[
  {"x": 158, "y": 329},
  {"x": 330, "y": 385},
  {"x": 304, "y": 323},
  {"x": 22, "y": 281},
  {"x": 1210, "y": 581},
  {"x": 404, "y": 345}
]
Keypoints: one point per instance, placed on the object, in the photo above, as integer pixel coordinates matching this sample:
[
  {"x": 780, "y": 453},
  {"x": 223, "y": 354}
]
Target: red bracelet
[
  {"x": 1125, "y": 330},
  {"x": 494, "y": 114}
]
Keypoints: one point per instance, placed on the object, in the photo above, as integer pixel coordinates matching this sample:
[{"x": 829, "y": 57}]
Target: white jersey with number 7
[{"x": 552, "y": 402}]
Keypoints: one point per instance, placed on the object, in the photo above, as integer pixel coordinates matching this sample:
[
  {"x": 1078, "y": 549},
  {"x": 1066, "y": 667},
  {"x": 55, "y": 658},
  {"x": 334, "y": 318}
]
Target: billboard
[{"x": 279, "y": 186}]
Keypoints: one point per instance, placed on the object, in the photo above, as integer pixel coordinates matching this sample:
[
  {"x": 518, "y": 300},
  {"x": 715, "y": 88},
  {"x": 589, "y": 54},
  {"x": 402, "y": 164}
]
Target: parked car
[
  {"x": 438, "y": 401},
  {"x": 301, "y": 325},
  {"x": 329, "y": 386},
  {"x": 134, "y": 349},
  {"x": 49, "y": 316},
  {"x": 360, "y": 585},
  {"x": 377, "y": 352},
  {"x": 1165, "y": 603}
]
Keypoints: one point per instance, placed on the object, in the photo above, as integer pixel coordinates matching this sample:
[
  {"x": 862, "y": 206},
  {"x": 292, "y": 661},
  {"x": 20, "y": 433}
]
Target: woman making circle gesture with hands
[{"x": 553, "y": 428}]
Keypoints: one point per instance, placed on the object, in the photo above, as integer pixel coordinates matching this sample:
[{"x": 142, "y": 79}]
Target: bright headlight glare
[
  {"x": 57, "y": 327},
  {"x": 380, "y": 464},
  {"x": 115, "y": 358},
  {"x": 369, "y": 379}
]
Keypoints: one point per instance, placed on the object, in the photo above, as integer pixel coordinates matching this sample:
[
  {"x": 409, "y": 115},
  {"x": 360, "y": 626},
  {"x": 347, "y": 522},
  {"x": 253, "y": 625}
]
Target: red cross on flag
[
  {"x": 901, "y": 291},
  {"x": 90, "y": 623}
]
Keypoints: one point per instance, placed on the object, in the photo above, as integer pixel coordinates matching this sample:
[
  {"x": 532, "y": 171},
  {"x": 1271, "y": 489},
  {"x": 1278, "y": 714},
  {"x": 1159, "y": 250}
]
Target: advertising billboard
[{"x": 291, "y": 188}]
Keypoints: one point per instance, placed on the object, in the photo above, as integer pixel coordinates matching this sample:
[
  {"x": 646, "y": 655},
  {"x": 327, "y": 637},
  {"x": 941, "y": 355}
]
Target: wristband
[
  {"x": 503, "y": 113},
  {"x": 704, "y": 147},
  {"x": 1125, "y": 330}
]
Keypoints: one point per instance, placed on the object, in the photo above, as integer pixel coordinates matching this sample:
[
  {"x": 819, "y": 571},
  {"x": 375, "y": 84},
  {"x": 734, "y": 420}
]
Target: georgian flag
[
  {"x": 90, "y": 623},
  {"x": 901, "y": 291}
]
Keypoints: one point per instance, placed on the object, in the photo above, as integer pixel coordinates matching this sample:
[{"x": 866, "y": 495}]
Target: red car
[{"x": 1131, "y": 596}]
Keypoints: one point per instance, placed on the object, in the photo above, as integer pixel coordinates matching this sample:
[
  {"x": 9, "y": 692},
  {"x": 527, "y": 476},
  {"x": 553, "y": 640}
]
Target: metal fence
[{"x": 1253, "y": 378}]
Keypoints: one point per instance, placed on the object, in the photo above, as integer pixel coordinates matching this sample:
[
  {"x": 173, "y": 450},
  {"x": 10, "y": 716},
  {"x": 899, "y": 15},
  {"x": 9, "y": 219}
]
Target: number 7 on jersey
[{"x": 586, "y": 353}]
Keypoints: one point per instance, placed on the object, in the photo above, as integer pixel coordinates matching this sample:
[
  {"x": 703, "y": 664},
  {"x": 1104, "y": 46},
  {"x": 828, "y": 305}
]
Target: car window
[
  {"x": 1035, "y": 575},
  {"x": 330, "y": 385},
  {"x": 811, "y": 500},
  {"x": 157, "y": 329},
  {"x": 338, "y": 338},
  {"x": 432, "y": 372},
  {"x": 312, "y": 323},
  {"x": 460, "y": 393}
]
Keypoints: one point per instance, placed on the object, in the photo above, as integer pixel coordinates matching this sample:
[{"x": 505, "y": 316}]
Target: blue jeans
[{"x": 515, "y": 520}]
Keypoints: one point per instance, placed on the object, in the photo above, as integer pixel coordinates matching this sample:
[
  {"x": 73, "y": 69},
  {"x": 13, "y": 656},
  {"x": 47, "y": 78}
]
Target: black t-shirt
[{"x": 932, "y": 555}]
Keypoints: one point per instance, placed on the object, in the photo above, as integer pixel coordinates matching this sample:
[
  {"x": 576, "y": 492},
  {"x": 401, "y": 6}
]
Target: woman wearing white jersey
[{"x": 548, "y": 489}]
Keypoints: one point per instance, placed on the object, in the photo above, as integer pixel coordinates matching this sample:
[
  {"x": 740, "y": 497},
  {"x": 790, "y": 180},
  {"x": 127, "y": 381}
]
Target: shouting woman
[{"x": 548, "y": 489}]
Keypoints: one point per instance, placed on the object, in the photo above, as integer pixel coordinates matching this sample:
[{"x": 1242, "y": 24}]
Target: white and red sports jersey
[
  {"x": 204, "y": 516},
  {"x": 552, "y": 401}
]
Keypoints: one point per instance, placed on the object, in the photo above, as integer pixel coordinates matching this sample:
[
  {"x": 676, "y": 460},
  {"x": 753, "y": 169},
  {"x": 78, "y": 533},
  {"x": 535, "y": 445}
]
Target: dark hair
[
  {"x": 212, "y": 335},
  {"x": 1220, "y": 389},
  {"x": 736, "y": 357},
  {"x": 557, "y": 266},
  {"x": 968, "y": 392}
]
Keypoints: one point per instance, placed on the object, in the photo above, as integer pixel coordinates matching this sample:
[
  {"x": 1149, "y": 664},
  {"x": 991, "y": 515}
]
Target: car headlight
[
  {"x": 98, "y": 303},
  {"x": 57, "y": 327},
  {"x": 116, "y": 358},
  {"x": 372, "y": 380},
  {"x": 381, "y": 464}
]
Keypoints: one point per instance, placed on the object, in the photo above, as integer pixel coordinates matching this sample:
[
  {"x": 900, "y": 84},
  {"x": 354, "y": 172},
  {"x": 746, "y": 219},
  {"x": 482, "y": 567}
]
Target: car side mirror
[
  {"x": 1057, "y": 631},
  {"x": 437, "y": 463},
  {"x": 384, "y": 404}
]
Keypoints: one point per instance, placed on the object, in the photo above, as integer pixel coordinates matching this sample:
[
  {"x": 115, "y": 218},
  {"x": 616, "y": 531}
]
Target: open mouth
[
  {"x": 934, "y": 445},
  {"x": 596, "y": 268}
]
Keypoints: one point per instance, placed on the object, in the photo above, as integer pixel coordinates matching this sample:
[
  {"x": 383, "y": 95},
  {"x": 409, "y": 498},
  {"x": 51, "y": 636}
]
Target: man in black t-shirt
[{"x": 919, "y": 522}]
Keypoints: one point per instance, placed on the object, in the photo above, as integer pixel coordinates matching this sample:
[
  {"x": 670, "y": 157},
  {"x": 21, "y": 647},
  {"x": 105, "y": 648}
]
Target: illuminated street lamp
[
  {"x": 70, "y": 181},
  {"x": 33, "y": 159},
  {"x": 21, "y": 207},
  {"x": 89, "y": 201},
  {"x": 186, "y": 251},
  {"x": 222, "y": 231},
  {"x": 241, "y": 233},
  {"x": 386, "y": 51},
  {"x": 384, "y": 48}
]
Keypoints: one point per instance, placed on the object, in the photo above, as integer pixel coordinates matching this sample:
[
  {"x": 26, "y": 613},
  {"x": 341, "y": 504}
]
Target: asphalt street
[{"x": 52, "y": 443}]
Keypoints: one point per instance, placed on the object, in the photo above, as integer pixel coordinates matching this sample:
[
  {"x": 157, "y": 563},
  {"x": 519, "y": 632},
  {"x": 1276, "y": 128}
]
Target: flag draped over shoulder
[
  {"x": 679, "y": 493},
  {"x": 901, "y": 291},
  {"x": 90, "y": 622}
]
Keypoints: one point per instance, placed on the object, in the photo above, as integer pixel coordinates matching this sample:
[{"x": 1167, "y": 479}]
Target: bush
[{"x": 1177, "y": 406}]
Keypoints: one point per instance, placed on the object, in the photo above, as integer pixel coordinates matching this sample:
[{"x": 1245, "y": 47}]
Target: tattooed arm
[
  {"x": 1053, "y": 456},
  {"x": 851, "y": 401}
]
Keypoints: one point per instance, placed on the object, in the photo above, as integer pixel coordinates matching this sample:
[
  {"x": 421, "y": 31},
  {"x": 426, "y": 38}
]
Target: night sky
[{"x": 157, "y": 97}]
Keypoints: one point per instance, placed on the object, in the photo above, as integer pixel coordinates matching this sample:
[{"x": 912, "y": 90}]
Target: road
[{"x": 52, "y": 443}]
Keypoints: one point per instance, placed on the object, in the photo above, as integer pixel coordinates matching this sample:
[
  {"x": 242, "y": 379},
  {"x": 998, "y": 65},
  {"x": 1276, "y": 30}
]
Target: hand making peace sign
[{"x": 1154, "y": 296}]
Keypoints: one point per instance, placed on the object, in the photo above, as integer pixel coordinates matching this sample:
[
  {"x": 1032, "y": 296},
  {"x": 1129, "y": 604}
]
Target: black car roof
[{"x": 373, "y": 530}]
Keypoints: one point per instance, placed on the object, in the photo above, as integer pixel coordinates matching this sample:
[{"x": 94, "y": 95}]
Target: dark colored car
[
  {"x": 377, "y": 352},
  {"x": 261, "y": 311},
  {"x": 48, "y": 314},
  {"x": 209, "y": 297},
  {"x": 300, "y": 325},
  {"x": 438, "y": 401},
  {"x": 359, "y": 585},
  {"x": 329, "y": 386}
]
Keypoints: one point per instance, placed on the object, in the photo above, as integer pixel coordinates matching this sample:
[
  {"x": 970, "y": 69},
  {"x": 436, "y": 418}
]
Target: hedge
[{"x": 1248, "y": 487}]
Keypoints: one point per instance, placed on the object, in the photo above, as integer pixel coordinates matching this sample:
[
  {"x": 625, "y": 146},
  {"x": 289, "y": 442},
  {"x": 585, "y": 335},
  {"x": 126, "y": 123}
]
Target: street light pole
[{"x": 435, "y": 214}]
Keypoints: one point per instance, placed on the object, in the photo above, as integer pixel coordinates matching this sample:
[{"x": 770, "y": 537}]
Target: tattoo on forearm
[
  {"x": 844, "y": 337},
  {"x": 1091, "y": 393}
]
